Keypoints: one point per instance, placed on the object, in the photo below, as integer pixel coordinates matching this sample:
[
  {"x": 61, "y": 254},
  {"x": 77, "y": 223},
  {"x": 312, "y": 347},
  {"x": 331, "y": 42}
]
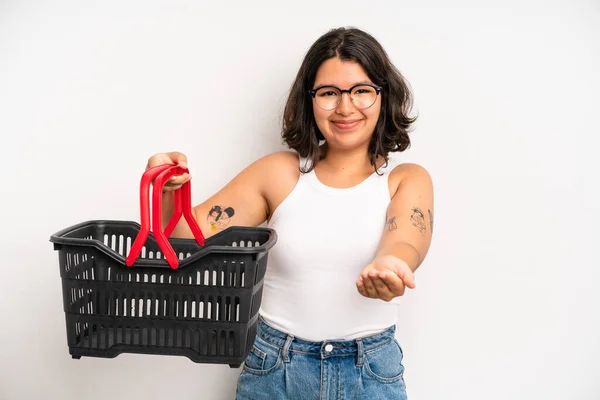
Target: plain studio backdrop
[{"x": 506, "y": 304}]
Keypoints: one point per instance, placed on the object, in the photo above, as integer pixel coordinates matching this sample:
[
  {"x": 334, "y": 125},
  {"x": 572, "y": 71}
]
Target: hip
[{"x": 282, "y": 366}]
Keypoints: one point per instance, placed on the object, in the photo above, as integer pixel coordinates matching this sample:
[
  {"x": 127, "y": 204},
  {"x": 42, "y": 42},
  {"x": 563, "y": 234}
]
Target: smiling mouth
[{"x": 347, "y": 124}]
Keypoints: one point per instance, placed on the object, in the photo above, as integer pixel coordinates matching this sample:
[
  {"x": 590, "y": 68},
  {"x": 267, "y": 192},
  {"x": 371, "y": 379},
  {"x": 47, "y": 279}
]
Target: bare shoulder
[
  {"x": 280, "y": 172},
  {"x": 279, "y": 159},
  {"x": 415, "y": 173},
  {"x": 409, "y": 170},
  {"x": 249, "y": 198},
  {"x": 278, "y": 167}
]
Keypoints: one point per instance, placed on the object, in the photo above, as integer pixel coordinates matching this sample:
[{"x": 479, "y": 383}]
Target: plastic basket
[{"x": 129, "y": 289}]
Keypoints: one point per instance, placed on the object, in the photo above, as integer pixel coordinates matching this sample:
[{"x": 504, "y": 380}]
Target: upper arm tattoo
[
  {"x": 219, "y": 217},
  {"x": 430, "y": 220},
  {"x": 391, "y": 224},
  {"x": 418, "y": 219}
]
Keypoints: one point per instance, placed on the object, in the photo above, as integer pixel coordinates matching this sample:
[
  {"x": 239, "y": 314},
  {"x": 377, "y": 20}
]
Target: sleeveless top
[{"x": 326, "y": 237}]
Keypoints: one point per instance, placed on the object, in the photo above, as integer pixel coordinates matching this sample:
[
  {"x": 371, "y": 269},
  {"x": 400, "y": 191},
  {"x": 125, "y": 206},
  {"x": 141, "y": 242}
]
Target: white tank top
[{"x": 326, "y": 237}]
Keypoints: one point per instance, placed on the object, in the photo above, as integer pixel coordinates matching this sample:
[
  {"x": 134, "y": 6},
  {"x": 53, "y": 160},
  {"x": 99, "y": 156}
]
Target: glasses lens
[
  {"x": 327, "y": 98},
  {"x": 363, "y": 96}
]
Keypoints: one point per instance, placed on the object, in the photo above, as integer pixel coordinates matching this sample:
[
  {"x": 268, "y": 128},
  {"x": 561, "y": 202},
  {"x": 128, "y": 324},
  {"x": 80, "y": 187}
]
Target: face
[
  {"x": 223, "y": 216},
  {"x": 345, "y": 127},
  {"x": 223, "y": 220}
]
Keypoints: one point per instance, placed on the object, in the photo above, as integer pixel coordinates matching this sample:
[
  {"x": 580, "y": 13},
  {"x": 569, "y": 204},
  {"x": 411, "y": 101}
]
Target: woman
[{"x": 351, "y": 228}]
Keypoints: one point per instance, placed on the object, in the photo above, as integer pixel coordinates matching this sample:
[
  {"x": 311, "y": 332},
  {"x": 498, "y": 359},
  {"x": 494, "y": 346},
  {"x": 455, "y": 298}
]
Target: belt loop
[
  {"x": 360, "y": 353},
  {"x": 285, "y": 351}
]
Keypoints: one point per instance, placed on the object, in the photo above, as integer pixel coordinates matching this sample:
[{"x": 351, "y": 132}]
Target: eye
[
  {"x": 327, "y": 93},
  {"x": 363, "y": 90}
]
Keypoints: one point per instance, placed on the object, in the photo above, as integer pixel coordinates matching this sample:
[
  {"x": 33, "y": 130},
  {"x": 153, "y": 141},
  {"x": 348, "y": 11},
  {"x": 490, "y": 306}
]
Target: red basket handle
[{"x": 182, "y": 205}]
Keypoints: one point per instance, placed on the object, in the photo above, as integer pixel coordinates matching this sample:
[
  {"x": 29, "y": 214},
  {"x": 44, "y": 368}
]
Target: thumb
[{"x": 406, "y": 274}]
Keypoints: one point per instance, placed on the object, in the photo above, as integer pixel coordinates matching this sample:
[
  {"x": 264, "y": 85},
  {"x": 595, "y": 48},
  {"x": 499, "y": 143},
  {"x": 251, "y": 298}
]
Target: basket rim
[{"x": 59, "y": 238}]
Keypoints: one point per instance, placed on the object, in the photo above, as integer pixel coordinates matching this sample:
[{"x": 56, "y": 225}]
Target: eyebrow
[{"x": 354, "y": 84}]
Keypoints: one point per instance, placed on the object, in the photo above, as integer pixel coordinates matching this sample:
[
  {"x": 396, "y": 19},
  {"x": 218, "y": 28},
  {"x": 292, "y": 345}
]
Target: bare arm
[
  {"x": 406, "y": 239},
  {"x": 241, "y": 202},
  {"x": 409, "y": 224}
]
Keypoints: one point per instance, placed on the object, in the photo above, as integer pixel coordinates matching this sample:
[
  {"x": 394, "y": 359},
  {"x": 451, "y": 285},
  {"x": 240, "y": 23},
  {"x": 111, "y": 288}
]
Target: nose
[{"x": 346, "y": 105}]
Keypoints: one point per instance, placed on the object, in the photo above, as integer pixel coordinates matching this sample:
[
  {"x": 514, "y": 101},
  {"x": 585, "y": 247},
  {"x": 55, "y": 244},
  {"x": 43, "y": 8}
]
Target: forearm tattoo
[{"x": 219, "y": 217}]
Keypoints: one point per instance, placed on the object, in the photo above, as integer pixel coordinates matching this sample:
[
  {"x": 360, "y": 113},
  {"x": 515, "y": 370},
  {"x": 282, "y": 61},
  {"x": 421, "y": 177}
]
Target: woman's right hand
[{"x": 173, "y": 158}]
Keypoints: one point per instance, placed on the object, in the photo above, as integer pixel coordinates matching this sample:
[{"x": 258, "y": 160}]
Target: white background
[{"x": 507, "y": 302}]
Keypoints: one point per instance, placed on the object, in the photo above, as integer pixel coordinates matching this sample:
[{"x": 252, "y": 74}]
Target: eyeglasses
[{"x": 329, "y": 97}]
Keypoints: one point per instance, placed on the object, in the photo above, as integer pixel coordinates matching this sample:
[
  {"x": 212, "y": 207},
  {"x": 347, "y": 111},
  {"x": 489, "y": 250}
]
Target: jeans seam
[
  {"x": 367, "y": 366},
  {"x": 341, "y": 382},
  {"x": 371, "y": 349},
  {"x": 263, "y": 371},
  {"x": 321, "y": 381},
  {"x": 269, "y": 344},
  {"x": 381, "y": 378}
]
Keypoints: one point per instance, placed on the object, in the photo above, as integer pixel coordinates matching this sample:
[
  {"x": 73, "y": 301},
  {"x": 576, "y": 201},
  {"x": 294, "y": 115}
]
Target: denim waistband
[{"x": 331, "y": 347}]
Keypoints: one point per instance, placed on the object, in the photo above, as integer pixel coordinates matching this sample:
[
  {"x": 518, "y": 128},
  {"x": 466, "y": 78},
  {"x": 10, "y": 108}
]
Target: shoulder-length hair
[{"x": 300, "y": 130}]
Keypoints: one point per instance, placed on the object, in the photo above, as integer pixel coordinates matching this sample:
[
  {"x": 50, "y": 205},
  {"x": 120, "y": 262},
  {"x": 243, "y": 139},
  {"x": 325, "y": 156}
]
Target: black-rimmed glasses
[{"x": 329, "y": 97}]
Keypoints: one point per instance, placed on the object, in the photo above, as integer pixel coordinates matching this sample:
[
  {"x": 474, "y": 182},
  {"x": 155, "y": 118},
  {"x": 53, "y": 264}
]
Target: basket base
[
  {"x": 77, "y": 353},
  {"x": 199, "y": 342}
]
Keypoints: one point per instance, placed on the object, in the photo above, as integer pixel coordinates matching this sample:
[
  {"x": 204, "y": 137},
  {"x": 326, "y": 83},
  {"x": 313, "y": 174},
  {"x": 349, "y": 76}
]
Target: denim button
[{"x": 328, "y": 348}]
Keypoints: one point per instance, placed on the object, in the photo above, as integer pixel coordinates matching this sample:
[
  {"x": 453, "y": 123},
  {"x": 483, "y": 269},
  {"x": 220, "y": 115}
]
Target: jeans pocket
[
  {"x": 384, "y": 363},
  {"x": 263, "y": 358}
]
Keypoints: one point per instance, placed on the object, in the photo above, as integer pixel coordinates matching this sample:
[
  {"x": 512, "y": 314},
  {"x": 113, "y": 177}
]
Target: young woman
[{"x": 352, "y": 229}]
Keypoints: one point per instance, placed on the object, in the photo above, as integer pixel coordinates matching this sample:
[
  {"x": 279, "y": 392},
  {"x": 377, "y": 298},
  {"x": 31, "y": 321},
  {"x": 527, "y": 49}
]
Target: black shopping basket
[{"x": 129, "y": 289}]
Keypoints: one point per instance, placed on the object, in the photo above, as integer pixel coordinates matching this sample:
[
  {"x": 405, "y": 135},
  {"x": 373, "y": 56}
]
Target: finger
[
  {"x": 393, "y": 282},
  {"x": 171, "y": 188},
  {"x": 158, "y": 159},
  {"x": 361, "y": 287},
  {"x": 368, "y": 284},
  {"x": 178, "y": 158},
  {"x": 178, "y": 180},
  {"x": 383, "y": 292},
  {"x": 406, "y": 274},
  {"x": 377, "y": 283}
]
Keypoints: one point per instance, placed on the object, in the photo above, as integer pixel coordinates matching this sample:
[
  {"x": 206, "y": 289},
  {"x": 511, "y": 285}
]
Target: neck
[{"x": 347, "y": 161}]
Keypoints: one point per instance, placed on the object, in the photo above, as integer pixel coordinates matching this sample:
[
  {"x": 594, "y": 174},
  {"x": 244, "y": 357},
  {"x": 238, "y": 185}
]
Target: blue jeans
[{"x": 281, "y": 366}]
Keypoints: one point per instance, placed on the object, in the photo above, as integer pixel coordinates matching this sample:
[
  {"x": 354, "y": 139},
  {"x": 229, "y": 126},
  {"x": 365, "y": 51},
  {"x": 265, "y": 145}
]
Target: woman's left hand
[{"x": 385, "y": 278}]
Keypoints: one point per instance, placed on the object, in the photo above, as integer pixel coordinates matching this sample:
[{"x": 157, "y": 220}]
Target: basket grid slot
[
  {"x": 216, "y": 275},
  {"x": 245, "y": 243},
  {"x": 175, "y": 306},
  {"x": 118, "y": 243},
  {"x": 223, "y": 273},
  {"x": 210, "y": 342},
  {"x": 122, "y": 245}
]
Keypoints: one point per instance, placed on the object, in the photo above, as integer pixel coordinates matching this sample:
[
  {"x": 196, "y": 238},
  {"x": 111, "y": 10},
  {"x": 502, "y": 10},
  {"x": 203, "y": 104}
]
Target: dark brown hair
[{"x": 300, "y": 130}]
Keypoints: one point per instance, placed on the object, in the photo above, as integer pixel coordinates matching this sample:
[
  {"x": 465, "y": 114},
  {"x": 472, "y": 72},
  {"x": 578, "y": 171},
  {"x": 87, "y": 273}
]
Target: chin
[{"x": 346, "y": 142}]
